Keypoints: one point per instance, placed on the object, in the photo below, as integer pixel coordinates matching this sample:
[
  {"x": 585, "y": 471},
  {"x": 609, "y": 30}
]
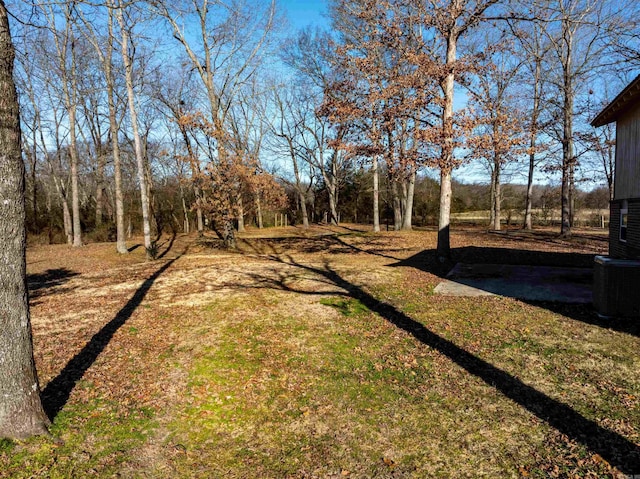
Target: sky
[{"x": 302, "y": 13}]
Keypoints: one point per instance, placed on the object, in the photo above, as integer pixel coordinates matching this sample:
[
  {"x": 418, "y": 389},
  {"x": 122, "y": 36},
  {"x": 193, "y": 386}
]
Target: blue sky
[{"x": 302, "y": 13}]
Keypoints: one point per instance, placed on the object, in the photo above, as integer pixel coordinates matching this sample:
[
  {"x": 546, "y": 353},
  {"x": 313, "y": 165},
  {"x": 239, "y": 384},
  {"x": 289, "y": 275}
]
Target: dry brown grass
[{"x": 323, "y": 353}]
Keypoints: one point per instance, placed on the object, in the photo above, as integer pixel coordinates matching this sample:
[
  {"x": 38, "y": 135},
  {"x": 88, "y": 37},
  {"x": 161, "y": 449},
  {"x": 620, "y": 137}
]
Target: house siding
[
  {"x": 631, "y": 248},
  {"x": 627, "y": 178}
]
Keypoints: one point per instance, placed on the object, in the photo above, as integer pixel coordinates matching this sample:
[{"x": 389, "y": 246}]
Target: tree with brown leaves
[
  {"x": 498, "y": 126},
  {"x": 382, "y": 97},
  {"x": 231, "y": 173},
  {"x": 446, "y": 22}
]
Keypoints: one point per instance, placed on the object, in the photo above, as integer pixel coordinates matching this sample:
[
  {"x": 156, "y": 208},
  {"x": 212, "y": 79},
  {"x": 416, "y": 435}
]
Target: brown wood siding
[
  {"x": 631, "y": 248},
  {"x": 627, "y": 177}
]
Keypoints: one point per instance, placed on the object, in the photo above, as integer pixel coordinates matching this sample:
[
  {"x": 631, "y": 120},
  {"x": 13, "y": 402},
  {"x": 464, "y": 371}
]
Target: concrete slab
[{"x": 531, "y": 283}]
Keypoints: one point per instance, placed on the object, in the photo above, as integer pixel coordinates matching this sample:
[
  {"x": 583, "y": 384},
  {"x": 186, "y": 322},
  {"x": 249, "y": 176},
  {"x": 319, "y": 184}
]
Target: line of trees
[
  {"x": 530, "y": 72},
  {"x": 126, "y": 128},
  {"x": 149, "y": 115}
]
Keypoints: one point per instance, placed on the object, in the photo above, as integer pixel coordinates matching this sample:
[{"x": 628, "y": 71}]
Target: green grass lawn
[{"x": 331, "y": 362}]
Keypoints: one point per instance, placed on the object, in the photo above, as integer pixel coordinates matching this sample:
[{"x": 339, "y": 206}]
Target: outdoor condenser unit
[{"x": 616, "y": 287}]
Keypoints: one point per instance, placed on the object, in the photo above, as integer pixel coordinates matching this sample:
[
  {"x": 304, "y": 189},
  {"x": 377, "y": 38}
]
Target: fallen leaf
[{"x": 389, "y": 462}]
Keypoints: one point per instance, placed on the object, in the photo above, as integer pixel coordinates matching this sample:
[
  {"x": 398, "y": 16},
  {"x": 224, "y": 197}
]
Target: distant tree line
[{"x": 357, "y": 195}]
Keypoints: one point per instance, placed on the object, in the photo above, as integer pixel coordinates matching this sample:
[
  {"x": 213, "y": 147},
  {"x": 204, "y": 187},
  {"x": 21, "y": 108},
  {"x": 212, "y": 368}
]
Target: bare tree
[
  {"x": 226, "y": 44},
  {"x": 535, "y": 50},
  {"x": 21, "y": 412},
  {"x": 329, "y": 162},
  {"x": 41, "y": 95},
  {"x": 286, "y": 127},
  {"x": 247, "y": 131},
  {"x": 177, "y": 96},
  {"x": 127, "y": 59},
  {"x": 104, "y": 46},
  {"x": 64, "y": 40},
  {"x": 107, "y": 63},
  {"x": 309, "y": 53},
  {"x": 224, "y": 48},
  {"x": 498, "y": 123},
  {"x": 578, "y": 33},
  {"x": 601, "y": 144}
]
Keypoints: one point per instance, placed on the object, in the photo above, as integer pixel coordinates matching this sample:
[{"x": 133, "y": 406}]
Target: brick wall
[{"x": 620, "y": 249}]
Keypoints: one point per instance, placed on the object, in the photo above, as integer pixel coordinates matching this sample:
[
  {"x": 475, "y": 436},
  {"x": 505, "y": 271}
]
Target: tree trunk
[
  {"x": 187, "y": 227},
  {"x": 156, "y": 223},
  {"x": 34, "y": 187},
  {"x": 567, "y": 145},
  {"x": 376, "y": 195},
  {"x": 259, "y": 213},
  {"x": 333, "y": 200},
  {"x": 572, "y": 196},
  {"x": 496, "y": 197},
  {"x": 121, "y": 245},
  {"x": 241, "y": 228},
  {"x": 21, "y": 411},
  {"x": 446, "y": 162},
  {"x": 70, "y": 98},
  {"x": 299, "y": 188},
  {"x": 528, "y": 214},
  {"x": 99, "y": 182},
  {"x": 66, "y": 219},
  {"x": 408, "y": 209},
  {"x": 144, "y": 199},
  {"x": 444, "y": 219},
  {"x": 64, "y": 204},
  {"x": 567, "y": 134},
  {"x": 49, "y": 205},
  {"x": 612, "y": 161},
  {"x": 331, "y": 182},
  {"x": 528, "y": 223},
  {"x": 228, "y": 235},
  {"x": 492, "y": 197},
  {"x": 200, "y": 221},
  {"x": 397, "y": 208},
  {"x": 303, "y": 207},
  {"x": 75, "y": 195},
  {"x": 185, "y": 213}
]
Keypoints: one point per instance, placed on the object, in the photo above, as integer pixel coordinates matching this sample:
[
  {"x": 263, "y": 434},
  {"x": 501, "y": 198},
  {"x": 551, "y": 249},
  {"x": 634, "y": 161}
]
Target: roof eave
[{"x": 612, "y": 111}]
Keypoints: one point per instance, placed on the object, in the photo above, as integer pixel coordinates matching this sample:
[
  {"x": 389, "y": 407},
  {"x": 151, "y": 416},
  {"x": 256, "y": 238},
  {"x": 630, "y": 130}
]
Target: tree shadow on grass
[
  {"x": 586, "y": 314},
  {"x": 41, "y": 284},
  {"x": 57, "y": 392},
  {"x": 169, "y": 245},
  {"x": 616, "y": 449},
  {"x": 427, "y": 261},
  {"x": 331, "y": 243}
]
